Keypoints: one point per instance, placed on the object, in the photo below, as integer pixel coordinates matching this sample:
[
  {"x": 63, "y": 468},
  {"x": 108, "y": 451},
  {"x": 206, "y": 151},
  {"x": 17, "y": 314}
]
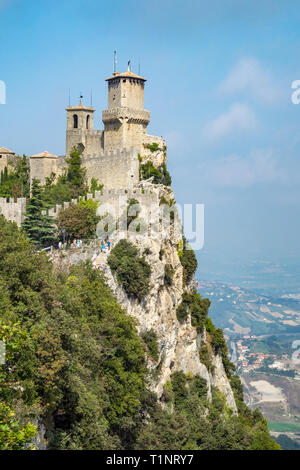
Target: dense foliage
[
  {"x": 70, "y": 185},
  {"x": 188, "y": 260},
  {"x": 81, "y": 362},
  {"x": 151, "y": 341},
  {"x": 75, "y": 362},
  {"x": 187, "y": 427},
  {"x": 160, "y": 175},
  {"x": 132, "y": 271},
  {"x": 79, "y": 220},
  {"x": 198, "y": 307}
]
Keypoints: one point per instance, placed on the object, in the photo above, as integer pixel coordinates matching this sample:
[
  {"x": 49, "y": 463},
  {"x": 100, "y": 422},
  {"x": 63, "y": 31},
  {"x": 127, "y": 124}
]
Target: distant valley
[{"x": 261, "y": 333}]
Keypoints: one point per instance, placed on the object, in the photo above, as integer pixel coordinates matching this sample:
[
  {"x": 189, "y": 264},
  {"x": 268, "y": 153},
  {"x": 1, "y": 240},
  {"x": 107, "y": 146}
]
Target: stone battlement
[
  {"x": 13, "y": 211},
  {"x": 111, "y": 154}
]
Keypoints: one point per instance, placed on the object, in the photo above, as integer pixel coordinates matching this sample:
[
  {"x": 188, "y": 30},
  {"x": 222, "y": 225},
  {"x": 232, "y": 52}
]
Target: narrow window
[
  {"x": 75, "y": 121},
  {"x": 88, "y": 121}
]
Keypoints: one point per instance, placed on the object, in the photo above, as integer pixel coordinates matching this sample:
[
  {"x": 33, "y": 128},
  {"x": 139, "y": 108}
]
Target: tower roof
[
  {"x": 80, "y": 107},
  {"x": 127, "y": 74},
  {"x": 5, "y": 150},
  {"x": 44, "y": 155}
]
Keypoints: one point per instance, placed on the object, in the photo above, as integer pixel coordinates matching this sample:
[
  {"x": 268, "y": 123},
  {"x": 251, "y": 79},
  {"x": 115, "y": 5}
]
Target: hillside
[{"x": 76, "y": 371}]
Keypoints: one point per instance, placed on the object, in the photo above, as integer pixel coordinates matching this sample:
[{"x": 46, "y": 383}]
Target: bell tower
[
  {"x": 125, "y": 120},
  {"x": 80, "y": 123}
]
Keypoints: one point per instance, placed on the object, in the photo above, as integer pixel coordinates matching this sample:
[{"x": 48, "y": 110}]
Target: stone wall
[
  {"x": 6, "y": 159},
  {"x": 13, "y": 211},
  {"x": 116, "y": 198},
  {"x": 89, "y": 140},
  {"x": 115, "y": 169}
]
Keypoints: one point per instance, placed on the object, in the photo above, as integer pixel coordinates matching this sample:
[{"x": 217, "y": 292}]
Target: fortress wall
[
  {"x": 112, "y": 200},
  {"x": 13, "y": 211},
  {"x": 115, "y": 168},
  {"x": 115, "y": 201},
  {"x": 6, "y": 159},
  {"x": 92, "y": 140}
]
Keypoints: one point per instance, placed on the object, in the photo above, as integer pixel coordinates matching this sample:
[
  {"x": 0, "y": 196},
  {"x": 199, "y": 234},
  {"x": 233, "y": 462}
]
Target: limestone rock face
[
  {"x": 157, "y": 158},
  {"x": 179, "y": 343}
]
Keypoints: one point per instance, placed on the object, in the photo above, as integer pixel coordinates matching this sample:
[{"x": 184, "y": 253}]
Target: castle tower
[
  {"x": 80, "y": 130},
  {"x": 125, "y": 120}
]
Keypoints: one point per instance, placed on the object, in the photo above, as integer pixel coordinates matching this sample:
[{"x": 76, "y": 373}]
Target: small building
[
  {"x": 42, "y": 165},
  {"x": 6, "y": 156}
]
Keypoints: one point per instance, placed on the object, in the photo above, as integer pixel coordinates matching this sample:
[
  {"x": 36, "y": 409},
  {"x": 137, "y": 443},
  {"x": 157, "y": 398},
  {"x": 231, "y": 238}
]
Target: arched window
[
  {"x": 88, "y": 121},
  {"x": 75, "y": 121}
]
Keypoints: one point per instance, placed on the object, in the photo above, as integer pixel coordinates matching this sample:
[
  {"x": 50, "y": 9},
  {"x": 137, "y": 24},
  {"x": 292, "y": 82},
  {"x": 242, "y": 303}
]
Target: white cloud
[
  {"x": 239, "y": 118},
  {"x": 261, "y": 166},
  {"x": 249, "y": 77}
]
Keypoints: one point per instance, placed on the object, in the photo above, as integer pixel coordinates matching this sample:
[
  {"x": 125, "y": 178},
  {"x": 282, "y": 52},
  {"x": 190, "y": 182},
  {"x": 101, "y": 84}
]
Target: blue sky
[{"x": 219, "y": 90}]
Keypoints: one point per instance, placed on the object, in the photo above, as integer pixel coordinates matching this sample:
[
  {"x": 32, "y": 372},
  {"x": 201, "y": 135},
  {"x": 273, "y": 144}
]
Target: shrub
[
  {"x": 193, "y": 303},
  {"x": 188, "y": 261},
  {"x": 153, "y": 147},
  {"x": 179, "y": 388},
  {"x": 79, "y": 220},
  {"x": 169, "y": 275},
  {"x": 199, "y": 310},
  {"x": 198, "y": 387},
  {"x": 219, "y": 345},
  {"x": 133, "y": 272},
  {"x": 182, "y": 310},
  {"x": 150, "y": 339},
  {"x": 160, "y": 175},
  {"x": 205, "y": 358}
]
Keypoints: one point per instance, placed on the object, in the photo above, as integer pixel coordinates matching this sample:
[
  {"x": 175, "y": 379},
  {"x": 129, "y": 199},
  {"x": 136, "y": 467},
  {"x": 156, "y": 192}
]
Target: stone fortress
[{"x": 109, "y": 155}]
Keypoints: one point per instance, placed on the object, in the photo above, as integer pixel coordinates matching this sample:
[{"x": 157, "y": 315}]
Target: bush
[
  {"x": 205, "y": 358},
  {"x": 150, "y": 339},
  {"x": 153, "y": 147},
  {"x": 188, "y": 261},
  {"x": 219, "y": 345},
  {"x": 160, "y": 175},
  {"x": 179, "y": 388},
  {"x": 79, "y": 220},
  {"x": 133, "y": 273},
  {"x": 199, "y": 311},
  {"x": 169, "y": 275},
  {"x": 183, "y": 308},
  {"x": 193, "y": 303}
]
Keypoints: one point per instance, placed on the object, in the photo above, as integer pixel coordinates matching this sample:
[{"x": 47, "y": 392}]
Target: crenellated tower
[{"x": 125, "y": 121}]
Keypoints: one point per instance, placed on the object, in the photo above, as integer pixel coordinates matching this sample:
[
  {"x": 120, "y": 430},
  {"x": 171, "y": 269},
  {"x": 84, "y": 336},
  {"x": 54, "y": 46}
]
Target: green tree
[
  {"x": 133, "y": 272},
  {"x": 38, "y": 227},
  {"x": 14, "y": 436},
  {"x": 79, "y": 220},
  {"x": 75, "y": 174}
]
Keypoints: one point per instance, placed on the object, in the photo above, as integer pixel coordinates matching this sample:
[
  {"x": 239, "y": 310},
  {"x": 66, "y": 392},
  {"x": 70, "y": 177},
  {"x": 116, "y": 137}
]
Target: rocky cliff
[{"x": 179, "y": 342}]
